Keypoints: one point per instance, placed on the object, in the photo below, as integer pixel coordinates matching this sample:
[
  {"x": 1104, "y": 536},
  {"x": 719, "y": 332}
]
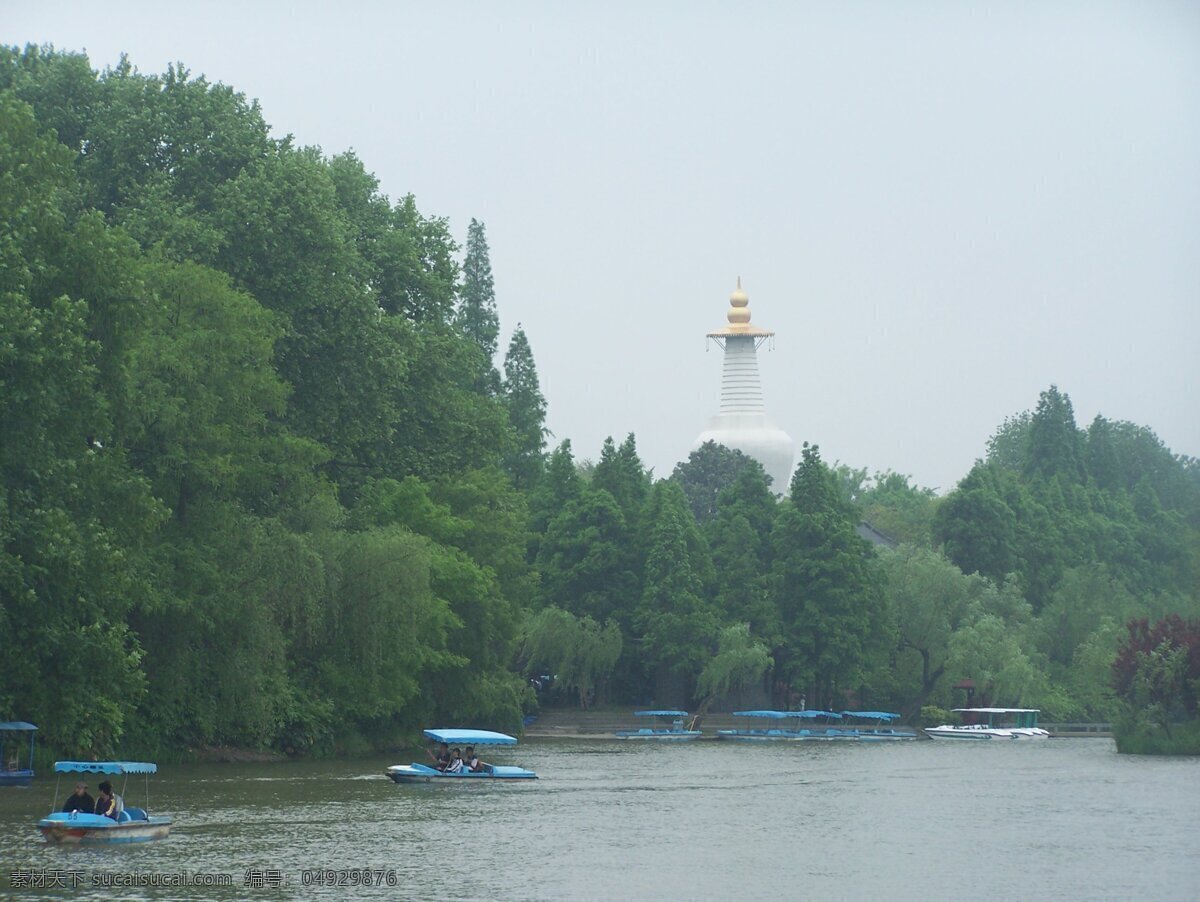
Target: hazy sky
[{"x": 940, "y": 208}]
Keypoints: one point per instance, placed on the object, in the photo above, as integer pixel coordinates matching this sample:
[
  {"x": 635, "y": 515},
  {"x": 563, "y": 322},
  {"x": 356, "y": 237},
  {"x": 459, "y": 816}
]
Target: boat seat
[
  {"x": 124, "y": 817},
  {"x": 133, "y": 813}
]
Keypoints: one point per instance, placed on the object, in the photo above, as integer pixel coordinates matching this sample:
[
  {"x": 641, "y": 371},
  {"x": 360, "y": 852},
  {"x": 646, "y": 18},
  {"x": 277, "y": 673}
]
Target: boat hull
[
  {"x": 975, "y": 733},
  {"x": 659, "y": 735},
  {"x": 15, "y": 777},
  {"x": 63, "y": 828},
  {"x": 419, "y": 773}
]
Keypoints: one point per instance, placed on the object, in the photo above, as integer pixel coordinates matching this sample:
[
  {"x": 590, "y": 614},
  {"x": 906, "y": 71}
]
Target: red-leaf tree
[{"x": 1159, "y": 664}]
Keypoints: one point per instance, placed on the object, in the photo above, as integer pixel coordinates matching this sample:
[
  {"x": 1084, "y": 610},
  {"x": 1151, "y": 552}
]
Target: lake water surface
[{"x": 1064, "y": 819}]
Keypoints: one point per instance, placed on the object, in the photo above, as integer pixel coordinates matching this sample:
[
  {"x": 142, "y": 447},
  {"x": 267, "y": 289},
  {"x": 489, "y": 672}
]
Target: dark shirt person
[
  {"x": 106, "y": 803},
  {"x": 442, "y": 758},
  {"x": 80, "y": 800}
]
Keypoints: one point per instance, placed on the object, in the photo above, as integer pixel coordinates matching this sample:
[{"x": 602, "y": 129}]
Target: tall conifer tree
[
  {"x": 477, "y": 318},
  {"x": 526, "y": 412}
]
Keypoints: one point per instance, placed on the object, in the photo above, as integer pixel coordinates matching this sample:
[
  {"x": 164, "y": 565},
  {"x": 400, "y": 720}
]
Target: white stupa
[{"x": 742, "y": 423}]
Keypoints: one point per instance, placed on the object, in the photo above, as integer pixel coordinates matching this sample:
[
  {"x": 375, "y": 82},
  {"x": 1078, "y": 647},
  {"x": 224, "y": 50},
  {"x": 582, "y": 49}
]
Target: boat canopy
[
  {"x": 472, "y": 737},
  {"x": 1000, "y": 710},
  {"x": 660, "y": 714},
  {"x": 873, "y": 715},
  {"x": 17, "y": 726},
  {"x": 813, "y": 715},
  {"x": 777, "y": 715},
  {"x": 105, "y": 767}
]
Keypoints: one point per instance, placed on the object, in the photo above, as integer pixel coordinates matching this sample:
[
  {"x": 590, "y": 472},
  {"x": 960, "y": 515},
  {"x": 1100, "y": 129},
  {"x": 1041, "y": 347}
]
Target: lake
[{"x": 1065, "y": 818}]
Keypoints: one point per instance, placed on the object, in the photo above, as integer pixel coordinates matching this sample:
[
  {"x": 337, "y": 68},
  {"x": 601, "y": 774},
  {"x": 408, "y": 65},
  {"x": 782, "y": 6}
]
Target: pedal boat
[
  {"x": 764, "y": 733},
  {"x": 133, "y": 825},
  {"x": 992, "y": 723},
  {"x": 423, "y": 773},
  {"x": 881, "y": 730},
  {"x": 11, "y": 772},
  {"x": 668, "y": 727}
]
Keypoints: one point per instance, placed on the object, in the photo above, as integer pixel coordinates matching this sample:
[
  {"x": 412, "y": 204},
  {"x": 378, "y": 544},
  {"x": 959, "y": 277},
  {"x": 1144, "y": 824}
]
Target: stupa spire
[{"x": 742, "y": 423}]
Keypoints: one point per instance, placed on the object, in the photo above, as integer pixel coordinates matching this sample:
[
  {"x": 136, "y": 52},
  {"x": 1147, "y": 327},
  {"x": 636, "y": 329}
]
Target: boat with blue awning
[
  {"x": 423, "y": 773},
  {"x": 818, "y": 726},
  {"x": 12, "y": 735},
  {"x": 669, "y": 726},
  {"x": 131, "y": 825},
  {"x": 774, "y": 729},
  {"x": 878, "y": 726}
]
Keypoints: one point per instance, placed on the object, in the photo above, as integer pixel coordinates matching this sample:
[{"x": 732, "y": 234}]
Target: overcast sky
[{"x": 940, "y": 208}]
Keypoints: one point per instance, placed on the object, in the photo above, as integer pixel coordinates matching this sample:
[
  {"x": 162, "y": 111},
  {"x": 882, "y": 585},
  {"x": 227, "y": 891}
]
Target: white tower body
[{"x": 742, "y": 423}]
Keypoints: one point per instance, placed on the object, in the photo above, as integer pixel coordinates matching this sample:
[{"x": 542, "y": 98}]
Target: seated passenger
[
  {"x": 442, "y": 758},
  {"x": 471, "y": 761},
  {"x": 106, "y": 803},
  {"x": 456, "y": 763},
  {"x": 118, "y": 802},
  {"x": 80, "y": 800}
]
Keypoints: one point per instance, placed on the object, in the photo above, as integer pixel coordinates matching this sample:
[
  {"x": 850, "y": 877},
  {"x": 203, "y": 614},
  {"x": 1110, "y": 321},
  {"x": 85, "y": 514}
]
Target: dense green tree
[
  {"x": 586, "y": 562},
  {"x": 739, "y": 538},
  {"x": 1008, "y": 446},
  {"x": 526, "y": 412},
  {"x": 577, "y": 650},
  {"x": 675, "y": 618},
  {"x": 475, "y": 315},
  {"x": 1055, "y": 442},
  {"x": 620, "y": 473},
  {"x": 929, "y": 600},
  {"x": 409, "y": 258},
  {"x": 708, "y": 470},
  {"x": 74, "y": 518},
  {"x": 825, "y": 585},
  {"x": 897, "y": 508},
  {"x": 559, "y": 485},
  {"x": 740, "y": 662}
]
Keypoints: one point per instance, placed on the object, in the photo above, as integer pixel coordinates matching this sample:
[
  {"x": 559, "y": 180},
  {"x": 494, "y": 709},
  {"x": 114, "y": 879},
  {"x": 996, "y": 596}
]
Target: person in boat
[
  {"x": 80, "y": 800},
  {"x": 471, "y": 761},
  {"x": 456, "y": 763},
  {"x": 442, "y": 758},
  {"x": 117, "y": 800},
  {"x": 106, "y": 801}
]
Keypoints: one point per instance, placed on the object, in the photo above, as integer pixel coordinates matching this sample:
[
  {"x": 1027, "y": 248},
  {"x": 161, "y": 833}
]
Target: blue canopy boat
[
  {"x": 880, "y": 730},
  {"x": 760, "y": 734},
  {"x": 670, "y": 727},
  {"x": 11, "y": 772},
  {"x": 817, "y": 732},
  {"x": 132, "y": 824},
  {"x": 423, "y": 773}
]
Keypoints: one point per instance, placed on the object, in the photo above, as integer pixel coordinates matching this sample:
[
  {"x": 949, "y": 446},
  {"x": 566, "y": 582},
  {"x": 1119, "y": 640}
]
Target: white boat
[{"x": 992, "y": 723}]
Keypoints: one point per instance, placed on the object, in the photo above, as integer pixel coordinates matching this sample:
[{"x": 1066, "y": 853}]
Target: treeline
[
  {"x": 260, "y": 478},
  {"x": 1023, "y": 580},
  {"x": 262, "y": 484}
]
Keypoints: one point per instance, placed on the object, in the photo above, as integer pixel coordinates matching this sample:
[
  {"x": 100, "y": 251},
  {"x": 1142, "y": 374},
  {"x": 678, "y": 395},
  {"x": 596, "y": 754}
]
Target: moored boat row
[{"x": 820, "y": 726}]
